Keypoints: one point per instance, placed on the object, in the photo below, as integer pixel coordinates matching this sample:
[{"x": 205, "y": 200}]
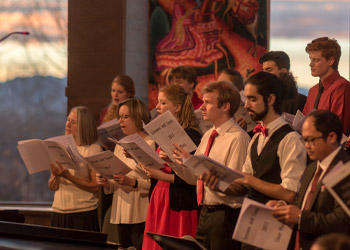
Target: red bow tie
[{"x": 258, "y": 128}]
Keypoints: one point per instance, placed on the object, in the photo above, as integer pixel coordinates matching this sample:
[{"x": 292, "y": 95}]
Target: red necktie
[
  {"x": 308, "y": 201},
  {"x": 312, "y": 189},
  {"x": 263, "y": 129},
  {"x": 206, "y": 153}
]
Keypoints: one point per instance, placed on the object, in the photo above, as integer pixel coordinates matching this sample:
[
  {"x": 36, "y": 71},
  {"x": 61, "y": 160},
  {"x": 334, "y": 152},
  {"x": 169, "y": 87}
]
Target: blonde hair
[
  {"x": 137, "y": 110},
  {"x": 128, "y": 84},
  {"x": 86, "y": 126},
  {"x": 177, "y": 95}
]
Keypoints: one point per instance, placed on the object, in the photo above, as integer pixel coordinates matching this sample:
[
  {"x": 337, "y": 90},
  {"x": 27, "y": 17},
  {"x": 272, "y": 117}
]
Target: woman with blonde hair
[
  {"x": 173, "y": 204},
  {"x": 75, "y": 204},
  {"x": 130, "y": 198},
  {"x": 122, "y": 88}
]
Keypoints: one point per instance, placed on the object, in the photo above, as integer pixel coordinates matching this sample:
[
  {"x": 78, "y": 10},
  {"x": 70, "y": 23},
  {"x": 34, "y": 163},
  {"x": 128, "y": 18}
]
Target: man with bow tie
[{"x": 276, "y": 157}]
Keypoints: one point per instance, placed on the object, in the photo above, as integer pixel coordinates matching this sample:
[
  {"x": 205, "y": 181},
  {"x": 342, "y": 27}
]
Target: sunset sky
[
  {"x": 44, "y": 52},
  {"x": 296, "y": 23}
]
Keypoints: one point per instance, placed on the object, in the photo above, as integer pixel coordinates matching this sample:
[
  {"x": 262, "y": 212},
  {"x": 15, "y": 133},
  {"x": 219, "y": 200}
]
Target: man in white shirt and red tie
[
  {"x": 315, "y": 212},
  {"x": 226, "y": 143},
  {"x": 276, "y": 157}
]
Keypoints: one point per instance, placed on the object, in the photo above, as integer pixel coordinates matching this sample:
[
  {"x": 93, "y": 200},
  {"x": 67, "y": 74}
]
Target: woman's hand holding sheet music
[
  {"x": 58, "y": 170},
  {"x": 124, "y": 180},
  {"x": 164, "y": 156},
  {"x": 180, "y": 154},
  {"x": 101, "y": 180}
]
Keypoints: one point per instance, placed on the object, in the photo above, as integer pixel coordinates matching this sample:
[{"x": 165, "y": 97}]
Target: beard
[{"x": 259, "y": 116}]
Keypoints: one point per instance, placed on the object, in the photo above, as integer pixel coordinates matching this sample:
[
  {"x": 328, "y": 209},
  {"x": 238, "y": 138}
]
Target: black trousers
[
  {"x": 246, "y": 246},
  {"x": 215, "y": 227},
  {"x": 82, "y": 220},
  {"x": 131, "y": 235}
]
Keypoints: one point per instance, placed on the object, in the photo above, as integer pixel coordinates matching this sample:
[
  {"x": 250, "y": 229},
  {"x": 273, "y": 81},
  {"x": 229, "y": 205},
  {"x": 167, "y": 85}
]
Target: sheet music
[
  {"x": 201, "y": 164},
  {"x": 110, "y": 129},
  {"x": 337, "y": 183},
  {"x": 140, "y": 151},
  {"x": 38, "y": 154},
  {"x": 256, "y": 226},
  {"x": 288, "y": 117},
  {"x": 153, "y": 113},
  {"x": 69, "y": 142},
  {"x": 32, "y": 156},
  {"x": 344, "y": 139},
  {"x": 295, "y": 121},
  {"x": 298, "y": 120},
  {"x": 243, "y": 112},
  {"x": 59, "y": 152},
  {"x": 107, "y": 164},
  {"x": 165, "y": 131}
]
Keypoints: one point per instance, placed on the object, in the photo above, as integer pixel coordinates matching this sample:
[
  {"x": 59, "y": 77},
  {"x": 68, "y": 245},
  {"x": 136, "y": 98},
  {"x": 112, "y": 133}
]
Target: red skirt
[{"x": 163, "y": 220}]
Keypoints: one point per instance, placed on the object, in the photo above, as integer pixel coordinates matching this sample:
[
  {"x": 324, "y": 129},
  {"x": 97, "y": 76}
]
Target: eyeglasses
[
  {"x": 310, "y": 140},
  {"x": 123, "y": 117}
]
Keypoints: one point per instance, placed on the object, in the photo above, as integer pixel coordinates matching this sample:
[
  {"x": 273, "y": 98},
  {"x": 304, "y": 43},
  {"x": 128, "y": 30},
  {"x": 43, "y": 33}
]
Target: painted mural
[{"x": 210, "y": 35}]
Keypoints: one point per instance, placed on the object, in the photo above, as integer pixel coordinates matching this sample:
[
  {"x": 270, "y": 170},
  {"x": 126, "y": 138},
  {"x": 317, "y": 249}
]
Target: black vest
[{"x": 266, "y": 166}]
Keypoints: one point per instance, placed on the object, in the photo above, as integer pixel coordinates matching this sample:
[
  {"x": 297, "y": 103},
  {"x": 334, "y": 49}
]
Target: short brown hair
[
  {"x": 184, "y": 73},
  {"x": 280, "y": 58},
  {"x": 328, "y": 47},
  {"x": 87, "y": 127},
  {"x": 235, "y": 77},
  {"x": 226, "y": 92},
  {"x": 127, "y": 83},
  {"x": 137, "y": 110},
  {"x": 177, "y": 95},
  {"x": 334, "y": 241}
]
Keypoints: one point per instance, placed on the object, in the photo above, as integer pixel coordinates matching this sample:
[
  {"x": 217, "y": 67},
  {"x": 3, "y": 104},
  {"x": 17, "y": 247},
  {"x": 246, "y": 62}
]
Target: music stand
[{"x": 176, "y": 243}]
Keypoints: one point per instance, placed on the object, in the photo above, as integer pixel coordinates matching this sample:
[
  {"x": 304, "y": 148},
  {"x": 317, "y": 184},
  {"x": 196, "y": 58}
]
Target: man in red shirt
[{"x": 333, "y": 91}]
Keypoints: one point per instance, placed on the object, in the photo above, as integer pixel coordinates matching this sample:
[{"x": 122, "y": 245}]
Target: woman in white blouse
[
  {"x": 75, "y": 204},
  {"x": 130, "y": 199}
]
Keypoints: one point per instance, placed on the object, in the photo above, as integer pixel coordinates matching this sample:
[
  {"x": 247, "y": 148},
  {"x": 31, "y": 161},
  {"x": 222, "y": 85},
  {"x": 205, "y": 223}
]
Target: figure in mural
[
  {"x": 246, "y": 12},
  {"x": 210, "y": 35},
  {"x": 193, "y": 39}
]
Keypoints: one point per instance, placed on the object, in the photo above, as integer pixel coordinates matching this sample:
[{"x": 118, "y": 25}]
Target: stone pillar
[{"x": 137, "y": 44}]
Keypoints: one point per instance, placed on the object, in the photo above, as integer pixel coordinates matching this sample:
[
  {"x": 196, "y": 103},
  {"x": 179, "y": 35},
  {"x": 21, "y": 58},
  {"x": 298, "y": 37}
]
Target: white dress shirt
[
  {"x": 230, "y": 149},
  {"x": 291, "y": 153}
]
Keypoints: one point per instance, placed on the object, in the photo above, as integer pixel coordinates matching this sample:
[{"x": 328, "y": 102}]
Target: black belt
[{"x": 211, "y": 208}]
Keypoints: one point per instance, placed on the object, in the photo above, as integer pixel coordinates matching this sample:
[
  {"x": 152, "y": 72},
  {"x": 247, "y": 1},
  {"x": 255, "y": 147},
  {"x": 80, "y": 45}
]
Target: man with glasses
[{"x": 315, "y": 212}]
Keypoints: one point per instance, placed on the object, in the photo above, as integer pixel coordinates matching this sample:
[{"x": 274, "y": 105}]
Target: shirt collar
[
  {"x": 330, "y": 79},
  {"x": 222, "y": 129},
  {"x": 275, "y": 124},
  {"x": 324, "y": 164}
]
